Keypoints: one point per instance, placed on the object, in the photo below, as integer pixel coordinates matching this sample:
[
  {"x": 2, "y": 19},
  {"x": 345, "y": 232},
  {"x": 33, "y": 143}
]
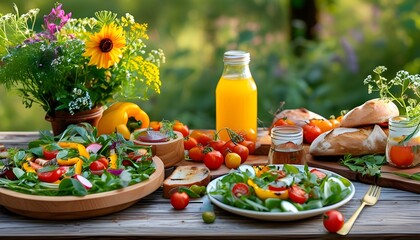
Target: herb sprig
[
  {"x": 366, "y": 165},
  {"x": 403, "y": 89}
]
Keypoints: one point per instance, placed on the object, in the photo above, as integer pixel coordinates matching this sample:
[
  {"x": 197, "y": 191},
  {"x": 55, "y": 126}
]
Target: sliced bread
[{"x": 186, "y": 176}]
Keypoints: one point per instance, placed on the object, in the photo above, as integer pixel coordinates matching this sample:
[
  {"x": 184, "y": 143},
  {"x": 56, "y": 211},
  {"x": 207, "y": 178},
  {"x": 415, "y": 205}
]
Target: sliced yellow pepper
[
  {"x": 78, "y": 167},
  {"x": 264, "y": 193},
  {"x": 124, "y": 118},
  {"x": 80, "y": 148},
  {"x": 27, "y": 167},
  {"x": 113, "y": 160}
]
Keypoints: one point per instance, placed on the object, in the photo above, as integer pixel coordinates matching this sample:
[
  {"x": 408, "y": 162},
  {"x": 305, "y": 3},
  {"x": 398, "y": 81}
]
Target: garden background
[{"x": 320, "y": 66}]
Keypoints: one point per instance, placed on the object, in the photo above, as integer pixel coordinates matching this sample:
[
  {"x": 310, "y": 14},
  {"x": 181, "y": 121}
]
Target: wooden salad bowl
[{"x": 73, "y": 207}]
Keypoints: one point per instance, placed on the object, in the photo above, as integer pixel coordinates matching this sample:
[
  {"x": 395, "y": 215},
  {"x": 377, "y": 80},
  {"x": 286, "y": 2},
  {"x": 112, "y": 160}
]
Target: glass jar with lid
[{"x": 286, "y": 145}]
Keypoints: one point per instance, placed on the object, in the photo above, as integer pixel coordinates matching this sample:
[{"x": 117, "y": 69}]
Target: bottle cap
[{"x": 236, "y": 57}]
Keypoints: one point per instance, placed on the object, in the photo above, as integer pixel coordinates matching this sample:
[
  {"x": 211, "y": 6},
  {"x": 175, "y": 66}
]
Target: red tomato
[
  {"x": 49, "y": 154},
  {"x": 197, "y": 153},
  {"x": 323, "y": 124},
  {"x": 97, "y": 167},
  {"x": 217, "y": 144},
  {"x": 310, "y": 132},
  {"x": 297, "y": 194},
  {"x": 318, "y": 173},
  {"x": 250, "y": 145},
  {"x": 277, "y": 186},
  {"x": 283, "y": 121},
  {"x": 189, "y": 143},
  {"x": 155, "y": 125},
  {"x": 401, "y": 155},
  {"x": 180, "y": 200},
  {"x": 50, "y": 176},
  {"x": 180, "y": 127},
  {"x": 104, "y": 161},
  {"x": 240, "y": 189},
  {"x": 242, "y": 151},
  {"x": 213, "y": 160},
  {"x": 203, "y": 136},
  {"x": 333, "y": 220},
  {"x": 228, "y": 147}
]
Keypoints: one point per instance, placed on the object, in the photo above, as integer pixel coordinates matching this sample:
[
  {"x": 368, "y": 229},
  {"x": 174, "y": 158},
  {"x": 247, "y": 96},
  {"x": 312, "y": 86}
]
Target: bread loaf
[
  {"x": 374, "y": 111},
  {"x": 298, "y": 116},
  {"x": 186, "y": 176},
  {"x": 354, "y": 141}
]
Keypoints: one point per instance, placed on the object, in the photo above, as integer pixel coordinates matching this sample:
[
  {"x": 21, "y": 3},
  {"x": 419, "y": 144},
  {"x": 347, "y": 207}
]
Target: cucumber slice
[{"x": 287, "y": 206}]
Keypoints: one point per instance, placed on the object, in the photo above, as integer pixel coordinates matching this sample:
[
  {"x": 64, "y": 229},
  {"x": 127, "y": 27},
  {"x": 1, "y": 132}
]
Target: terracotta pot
[{"x": 63, "y": 119}]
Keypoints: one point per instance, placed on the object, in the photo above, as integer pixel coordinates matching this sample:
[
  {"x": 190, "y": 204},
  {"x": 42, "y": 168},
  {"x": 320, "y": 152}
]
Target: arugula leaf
[{"x": 366, "y": 165}]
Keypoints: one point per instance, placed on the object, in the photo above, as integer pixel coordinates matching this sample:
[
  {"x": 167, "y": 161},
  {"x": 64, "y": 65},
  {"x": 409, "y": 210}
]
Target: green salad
[
  {"x": 280, "y": 188},
  {"x": 76, "y": 163}
]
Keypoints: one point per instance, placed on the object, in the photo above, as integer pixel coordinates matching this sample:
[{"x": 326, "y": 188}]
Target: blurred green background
[{"x": 307, "y": 53}]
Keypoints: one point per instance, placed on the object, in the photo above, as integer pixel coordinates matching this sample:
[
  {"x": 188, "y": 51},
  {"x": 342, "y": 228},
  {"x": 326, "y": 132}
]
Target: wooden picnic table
[{"x": 395, "y": 216}]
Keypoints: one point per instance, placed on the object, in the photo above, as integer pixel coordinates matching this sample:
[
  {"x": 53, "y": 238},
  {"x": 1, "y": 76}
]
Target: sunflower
[{"x": 105, "y": 47}]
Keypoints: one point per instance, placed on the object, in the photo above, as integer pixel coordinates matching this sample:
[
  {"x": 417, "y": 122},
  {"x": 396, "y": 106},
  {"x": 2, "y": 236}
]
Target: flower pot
[
  {"x": 61, "y": 120},
  {"x": 400, "y": 152}
]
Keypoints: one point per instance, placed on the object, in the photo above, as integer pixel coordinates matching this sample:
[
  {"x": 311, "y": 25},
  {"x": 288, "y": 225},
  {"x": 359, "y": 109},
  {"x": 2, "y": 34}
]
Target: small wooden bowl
[
  {"x": 170, "y": 152},
  {"x": 72, "y": 207}
]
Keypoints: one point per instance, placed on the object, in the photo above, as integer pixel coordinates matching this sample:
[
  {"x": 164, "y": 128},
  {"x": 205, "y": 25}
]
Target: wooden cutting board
[{"x": 387, "y": 178}]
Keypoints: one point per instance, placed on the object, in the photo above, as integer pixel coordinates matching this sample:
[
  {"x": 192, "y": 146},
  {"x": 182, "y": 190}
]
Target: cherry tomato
[
  {"x": 277, "y": 186},
  {"x": 240, "y": 189},
  {"x": 249, "y": 135},
  {"x": 180, "y": 127},
  {"x": 203, "y": 136},
  {"x": 297, "y": 194},
  {"x": 242, "y": 151},
  {"x": 213, "y": 160},
  {"x": 232, "y": 160},
  {"x": 318, "y": 173},
  {"x": 333, "y": 220},
  {"x": 324, "y": 125},
  {"x": 197, "y": 153},
  {"x": 384, "y": 124},
  {"x": 155, "y": 125},
  {"x": 250, "y": 145},
  {"x": 401, "y": 155},
  {"x": 189, "y": 143},
  {"x": 228, "y": 147},
  {"x": 97, "y": 167},
  {"x": 50, "y": 176},
  {"x": 283, "y": 121},
  {"x": 104, "y": 161},
  {"x": 180, "y": 200},
  {"x": 334, "y": 122},
  {"x": 310, "y": 132},
  {"x": 217, "y": 144},
  {"x": 49, "y": 154}
]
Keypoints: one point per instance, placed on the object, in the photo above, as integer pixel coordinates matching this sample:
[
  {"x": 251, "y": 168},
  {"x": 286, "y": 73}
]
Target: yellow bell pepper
[
  {"x": 265, "y": 193},
  {"x": 124, "y": 118}
]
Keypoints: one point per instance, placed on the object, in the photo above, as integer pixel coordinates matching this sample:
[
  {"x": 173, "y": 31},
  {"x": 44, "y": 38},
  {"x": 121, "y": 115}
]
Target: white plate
[{"x": 278, "y": 216}]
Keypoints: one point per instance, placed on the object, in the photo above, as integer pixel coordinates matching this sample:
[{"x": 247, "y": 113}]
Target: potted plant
[
  {"x": 403, "y": 145},
  {"x": 75, "y": 66}
]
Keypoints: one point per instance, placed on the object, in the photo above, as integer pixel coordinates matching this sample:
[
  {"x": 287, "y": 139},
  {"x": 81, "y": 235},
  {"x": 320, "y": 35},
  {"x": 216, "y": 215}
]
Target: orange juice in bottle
[{"x": 236, "y": 97}]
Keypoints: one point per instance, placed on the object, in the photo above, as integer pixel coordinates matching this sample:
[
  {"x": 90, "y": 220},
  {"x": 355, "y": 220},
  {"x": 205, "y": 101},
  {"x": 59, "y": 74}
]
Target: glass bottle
[
  {"x": 286, "y": 145},
  {"x": 403, "y": 153},
  {"x": 236, "y": 97}
]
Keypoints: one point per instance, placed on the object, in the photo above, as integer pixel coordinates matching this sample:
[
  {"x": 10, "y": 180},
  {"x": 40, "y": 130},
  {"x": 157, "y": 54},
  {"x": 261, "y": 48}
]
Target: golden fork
[{"x": 370, "y": 198}]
